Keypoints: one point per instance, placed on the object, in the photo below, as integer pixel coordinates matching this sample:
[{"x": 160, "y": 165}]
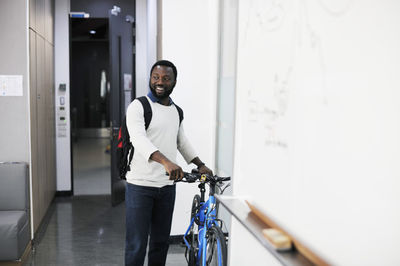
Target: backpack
[{"x": 125, "y": 148}]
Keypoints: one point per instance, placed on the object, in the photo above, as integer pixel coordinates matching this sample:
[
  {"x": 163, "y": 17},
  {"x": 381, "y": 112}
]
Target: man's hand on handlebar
[
  {"x": 174, "y": 171},
  {"x": 203, "y": 169}
]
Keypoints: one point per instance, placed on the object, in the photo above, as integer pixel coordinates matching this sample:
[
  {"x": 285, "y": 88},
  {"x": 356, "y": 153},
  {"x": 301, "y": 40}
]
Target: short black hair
[{"x": 167, "y": 64}]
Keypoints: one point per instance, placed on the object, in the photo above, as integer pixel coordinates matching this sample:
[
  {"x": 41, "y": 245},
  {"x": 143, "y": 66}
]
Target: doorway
[{"x": 90, "y": 106}]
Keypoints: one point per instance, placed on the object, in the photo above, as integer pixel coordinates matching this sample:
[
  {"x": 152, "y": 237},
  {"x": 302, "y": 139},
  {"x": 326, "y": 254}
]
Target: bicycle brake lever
[
  {"x": 191, "y": 178},
  {"x": 195, "y": 171}
]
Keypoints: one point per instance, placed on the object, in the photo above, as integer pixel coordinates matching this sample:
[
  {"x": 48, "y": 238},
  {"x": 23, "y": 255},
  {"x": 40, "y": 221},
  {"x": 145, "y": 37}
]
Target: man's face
[{"x": 162, "y": 81}]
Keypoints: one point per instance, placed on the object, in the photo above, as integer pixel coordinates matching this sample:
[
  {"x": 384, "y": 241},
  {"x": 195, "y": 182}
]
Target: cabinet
[{"x": 42, "y": 110}]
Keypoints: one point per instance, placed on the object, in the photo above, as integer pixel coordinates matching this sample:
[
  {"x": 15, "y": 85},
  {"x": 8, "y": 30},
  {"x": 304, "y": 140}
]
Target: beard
[{"x": 161, "y": 92}]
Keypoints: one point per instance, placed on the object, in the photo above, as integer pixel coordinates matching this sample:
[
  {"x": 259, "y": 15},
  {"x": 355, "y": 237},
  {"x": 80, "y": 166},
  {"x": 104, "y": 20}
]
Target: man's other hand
[{"x": 203, "y": 169}]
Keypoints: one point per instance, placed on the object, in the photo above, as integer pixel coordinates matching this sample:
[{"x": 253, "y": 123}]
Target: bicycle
[{"x": 205, "y": 242}]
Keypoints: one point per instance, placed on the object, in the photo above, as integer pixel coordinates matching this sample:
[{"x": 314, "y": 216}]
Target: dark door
[{"x": 121, "y": 79}]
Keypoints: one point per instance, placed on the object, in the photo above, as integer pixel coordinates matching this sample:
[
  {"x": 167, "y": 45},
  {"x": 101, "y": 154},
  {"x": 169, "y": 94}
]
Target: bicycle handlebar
[{"x": 193, "y": 177}]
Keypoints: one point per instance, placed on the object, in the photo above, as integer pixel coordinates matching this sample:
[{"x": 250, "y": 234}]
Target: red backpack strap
[{"x": 119, "y": 139}]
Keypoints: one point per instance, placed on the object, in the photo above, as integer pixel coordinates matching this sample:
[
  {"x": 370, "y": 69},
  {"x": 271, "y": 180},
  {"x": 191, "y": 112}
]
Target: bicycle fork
[{"x": 207, "y": 220}]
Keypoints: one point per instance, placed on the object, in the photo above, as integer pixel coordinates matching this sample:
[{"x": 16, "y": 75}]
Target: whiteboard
[{"x": 317, "y": 143}]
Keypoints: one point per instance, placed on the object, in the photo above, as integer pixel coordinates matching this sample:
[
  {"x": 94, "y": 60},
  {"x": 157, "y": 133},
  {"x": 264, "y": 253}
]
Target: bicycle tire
[
  {"x": 215, "y": 236},
  {"x": 194, "y": 231}
]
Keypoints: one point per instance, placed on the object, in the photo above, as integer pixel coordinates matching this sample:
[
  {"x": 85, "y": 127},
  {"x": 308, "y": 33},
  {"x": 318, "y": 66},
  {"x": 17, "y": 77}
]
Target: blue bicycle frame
[{"x": 207, "y": 217}]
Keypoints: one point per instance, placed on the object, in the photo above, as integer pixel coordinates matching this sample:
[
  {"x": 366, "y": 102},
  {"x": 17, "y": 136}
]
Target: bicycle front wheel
[
  {"x": 194, "y": 232},
  {"x": 216, "y": 248}
]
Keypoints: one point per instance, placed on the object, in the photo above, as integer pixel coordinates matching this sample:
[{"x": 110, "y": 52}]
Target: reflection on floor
[
  {"x": 91, "y": 166},
  {"x": 86, "y": 230}
]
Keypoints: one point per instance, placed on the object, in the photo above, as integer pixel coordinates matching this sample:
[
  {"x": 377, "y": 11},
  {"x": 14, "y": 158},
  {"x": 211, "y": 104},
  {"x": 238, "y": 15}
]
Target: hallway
[
  {"x": 91, "y": 166},
  {"x": 86, "y": 230}
]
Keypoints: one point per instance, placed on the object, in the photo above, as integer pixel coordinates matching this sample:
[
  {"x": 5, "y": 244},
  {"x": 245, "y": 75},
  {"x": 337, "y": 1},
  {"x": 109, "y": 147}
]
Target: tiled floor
[{"x": 86, "y": 230}]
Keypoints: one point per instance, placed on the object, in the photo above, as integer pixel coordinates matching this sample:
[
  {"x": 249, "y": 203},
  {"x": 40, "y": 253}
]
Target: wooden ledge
[{"x": 255, "y": 221}]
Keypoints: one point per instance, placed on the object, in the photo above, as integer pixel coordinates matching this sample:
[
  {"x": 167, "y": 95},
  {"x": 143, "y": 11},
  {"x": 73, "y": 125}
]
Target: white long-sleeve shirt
[{"x": 163, "y": 134}]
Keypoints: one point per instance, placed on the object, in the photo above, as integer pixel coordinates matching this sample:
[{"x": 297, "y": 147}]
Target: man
[{"x": 150, "y": 193}]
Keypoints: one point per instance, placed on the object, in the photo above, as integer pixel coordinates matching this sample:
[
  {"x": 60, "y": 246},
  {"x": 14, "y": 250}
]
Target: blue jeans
[{"x": 148, "y": 211}]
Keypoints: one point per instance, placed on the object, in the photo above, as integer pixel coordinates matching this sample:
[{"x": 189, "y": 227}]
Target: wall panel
[
  {"x": 32, "y": 14},
  {"x": 49, "y": 20},
  {"x": 34, "y": 137},
  {"x": 49, "y": 132},
  {"x": 53, "y": 179},
  {"x": 42, "y": 107},
  {"x": 41, "y": 122},
  {"x": 40, "y": 17}
]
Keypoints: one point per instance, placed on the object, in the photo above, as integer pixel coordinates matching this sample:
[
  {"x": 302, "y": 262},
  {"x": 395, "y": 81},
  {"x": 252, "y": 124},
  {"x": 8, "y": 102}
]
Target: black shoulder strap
[
  {"x": 147, "y": 111},
  {"x": 180, "y": 112}
]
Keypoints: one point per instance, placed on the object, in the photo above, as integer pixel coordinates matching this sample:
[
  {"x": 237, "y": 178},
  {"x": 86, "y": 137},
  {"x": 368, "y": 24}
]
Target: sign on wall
[{"x": 11, "y": 85}]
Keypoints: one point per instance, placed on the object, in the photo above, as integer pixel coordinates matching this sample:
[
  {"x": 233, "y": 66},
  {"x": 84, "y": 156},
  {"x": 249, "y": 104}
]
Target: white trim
[
  {"x": 28, "y": 94},
  {"x": 214, "y": 6}
]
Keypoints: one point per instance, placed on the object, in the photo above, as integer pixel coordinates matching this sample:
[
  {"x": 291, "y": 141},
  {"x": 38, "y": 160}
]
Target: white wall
[
  {"x": 14, "y": 60},
  {"x": 190, "y": 41},
  {"x": 61, "y": 56},
  {"x": 15, "y": 133}
]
